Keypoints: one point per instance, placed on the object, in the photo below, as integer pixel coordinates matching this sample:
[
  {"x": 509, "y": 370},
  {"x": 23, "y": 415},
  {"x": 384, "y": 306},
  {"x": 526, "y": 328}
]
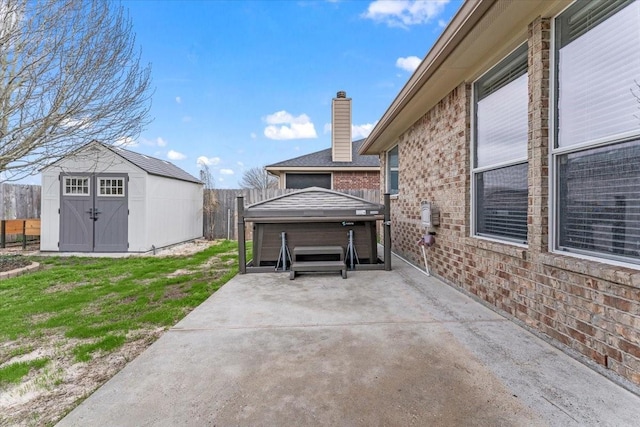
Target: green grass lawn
[{"x": 97, "y": 304}]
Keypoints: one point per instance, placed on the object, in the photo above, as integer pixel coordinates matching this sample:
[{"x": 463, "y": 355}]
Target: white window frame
[
  {"x": 389, "y": 169},
  {"x": 111, "y": 178},
  {"x": 76, "y": 177},
  {"x": 476, "y": 170},
  {"x": 555, "y": 154}
]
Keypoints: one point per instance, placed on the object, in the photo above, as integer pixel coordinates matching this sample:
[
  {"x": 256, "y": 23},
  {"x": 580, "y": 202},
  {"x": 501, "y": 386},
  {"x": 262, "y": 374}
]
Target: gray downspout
[
  {"x": 242, "y": 253},
  {"x": 387, "y": 231}
]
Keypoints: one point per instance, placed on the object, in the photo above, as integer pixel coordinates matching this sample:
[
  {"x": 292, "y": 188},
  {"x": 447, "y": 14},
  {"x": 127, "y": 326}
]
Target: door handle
[{"x": 96, "y": 212}]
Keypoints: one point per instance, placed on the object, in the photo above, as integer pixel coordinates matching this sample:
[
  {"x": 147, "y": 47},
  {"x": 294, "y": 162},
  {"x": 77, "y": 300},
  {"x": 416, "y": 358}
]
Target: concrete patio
[{"x": 378, "y": 349}]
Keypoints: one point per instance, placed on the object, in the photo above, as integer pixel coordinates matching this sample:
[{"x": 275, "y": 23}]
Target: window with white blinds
[
  {"x": 599, "y": 200},
  {"x": 597, "y": 138},
  {"x": 598, "y": 73},
  {"x": 500, "y": 149}
]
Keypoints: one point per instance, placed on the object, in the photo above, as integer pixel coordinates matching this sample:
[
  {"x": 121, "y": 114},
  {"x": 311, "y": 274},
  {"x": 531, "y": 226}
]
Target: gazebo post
[
  {"x": 387, "y": 232},
  {"x": 242, "y": 252}
]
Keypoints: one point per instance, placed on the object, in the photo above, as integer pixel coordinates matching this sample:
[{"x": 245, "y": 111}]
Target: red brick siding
[
  {"x": 356, "y": 180},
  {"x": 591, "y": 307}
]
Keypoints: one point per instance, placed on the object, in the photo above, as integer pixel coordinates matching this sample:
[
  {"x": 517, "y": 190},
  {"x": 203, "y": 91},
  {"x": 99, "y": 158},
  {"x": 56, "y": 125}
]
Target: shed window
[
  {"x": 597, "y": 130},
  {"x": 305, "y": 180},
  {"x": 393, "y": 171},
  {"x": 501, "y": 135},
  {"x": 113, "y": 187},
  {"x": 76, "y": 186}
]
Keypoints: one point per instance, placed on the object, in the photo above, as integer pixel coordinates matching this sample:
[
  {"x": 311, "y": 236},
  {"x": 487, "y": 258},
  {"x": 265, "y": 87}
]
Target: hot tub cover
[{"x": 314, "y": 204}]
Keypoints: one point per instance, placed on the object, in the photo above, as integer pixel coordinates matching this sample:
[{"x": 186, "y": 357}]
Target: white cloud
[
  {"x": 158, "y": 142},
  {"x": 410, "y": 63},
  {"x": 361, "y": 131},
  {"x": 178, "y": 100},
  {"x": 284, "y": 126},
  {"x": 208, "y": 161},
  {"x": 357, "y": 131},
  {"x": 240, "y": 164},
  {"x": 404, "y": 13},
  {"x": 125, "y": 141},
  {"x": 175, "y": 155},
  {"x": 226, "y": 171},
  {"x": 76, "y": 123}
]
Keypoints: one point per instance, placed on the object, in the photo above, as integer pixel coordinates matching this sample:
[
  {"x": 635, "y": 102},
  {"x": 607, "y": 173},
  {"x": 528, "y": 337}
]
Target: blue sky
[{"x": 240, "y": 84}]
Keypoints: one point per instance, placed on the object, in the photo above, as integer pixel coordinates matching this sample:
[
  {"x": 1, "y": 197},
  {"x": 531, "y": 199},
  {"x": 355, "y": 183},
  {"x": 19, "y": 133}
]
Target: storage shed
[
  {"x": 313, "y": 217},
  {"x": 102, "y": 198}
]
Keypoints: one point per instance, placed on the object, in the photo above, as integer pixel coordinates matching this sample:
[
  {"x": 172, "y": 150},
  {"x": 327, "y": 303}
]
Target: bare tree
[
  {"x": 258, "y": 178},
  {"x": 69, "y": 74},
  {"x": 209, "y": 202}
]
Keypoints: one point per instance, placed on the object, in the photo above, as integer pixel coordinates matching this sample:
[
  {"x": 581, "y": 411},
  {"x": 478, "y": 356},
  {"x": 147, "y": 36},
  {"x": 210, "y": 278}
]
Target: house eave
[
  {"x": 481, "y": 32},
  {"x": 309, "y": 169}
]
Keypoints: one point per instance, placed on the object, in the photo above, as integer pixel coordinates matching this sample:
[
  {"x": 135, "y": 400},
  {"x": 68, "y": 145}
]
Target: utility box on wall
[{"x": 430, "y": 215}]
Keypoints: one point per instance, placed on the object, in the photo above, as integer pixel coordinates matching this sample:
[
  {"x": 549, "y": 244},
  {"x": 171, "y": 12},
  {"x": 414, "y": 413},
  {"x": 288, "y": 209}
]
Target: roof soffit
[{"x": 482, "y": 33}]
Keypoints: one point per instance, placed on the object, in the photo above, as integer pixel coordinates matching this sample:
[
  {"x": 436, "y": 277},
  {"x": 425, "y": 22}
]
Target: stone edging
[{"x": 19, "y": 271}]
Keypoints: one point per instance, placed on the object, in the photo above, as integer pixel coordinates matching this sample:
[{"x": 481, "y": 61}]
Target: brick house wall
[
  {"x": 588, "y": 306},
  {"x": 361, "y": 180}
]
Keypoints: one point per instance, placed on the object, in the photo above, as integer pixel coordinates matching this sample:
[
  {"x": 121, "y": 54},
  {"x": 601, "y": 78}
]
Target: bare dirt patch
[{"x": 44, "y": 398}]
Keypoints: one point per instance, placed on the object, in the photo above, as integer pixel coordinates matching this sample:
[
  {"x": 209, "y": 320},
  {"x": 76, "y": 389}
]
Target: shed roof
[
  {"x": 153, "y": 165},
  {"x": 323, "y": 159},
  {"x": 315, "y": 203}
]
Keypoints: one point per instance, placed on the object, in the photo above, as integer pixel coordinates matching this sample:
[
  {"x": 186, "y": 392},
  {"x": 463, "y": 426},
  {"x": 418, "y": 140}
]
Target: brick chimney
[{"x": 341, "y": 146}]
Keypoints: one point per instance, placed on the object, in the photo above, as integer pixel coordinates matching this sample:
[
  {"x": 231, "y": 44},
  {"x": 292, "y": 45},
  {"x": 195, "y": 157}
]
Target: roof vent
[{"x": 341, "y": 94}]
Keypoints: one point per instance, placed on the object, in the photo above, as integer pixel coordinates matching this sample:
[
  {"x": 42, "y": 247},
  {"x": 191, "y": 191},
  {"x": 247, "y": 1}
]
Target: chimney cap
[{"x": 341, "y": 94}]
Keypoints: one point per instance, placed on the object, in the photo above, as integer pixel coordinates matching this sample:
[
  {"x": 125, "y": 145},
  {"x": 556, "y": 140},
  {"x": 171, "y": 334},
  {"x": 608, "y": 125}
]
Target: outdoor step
[
  {"x": 317, "y": 250},
  {"x": 318, "y": 266}
]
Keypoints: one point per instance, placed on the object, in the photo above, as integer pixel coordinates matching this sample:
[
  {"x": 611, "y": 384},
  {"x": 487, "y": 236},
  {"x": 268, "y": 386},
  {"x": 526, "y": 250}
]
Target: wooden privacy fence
[
  {"x": 19, "y": 201},
  {"x": 18, "y": 227},
  {"x": 220, "y": 222}
]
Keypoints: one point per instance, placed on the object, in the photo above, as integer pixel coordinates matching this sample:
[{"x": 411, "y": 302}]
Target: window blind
[
  {"x": 598, "y": 74},
  {"x": 599, "y": 195},
  {"x": 502, "y": 124},
  {"x": 501, "y": 203}
]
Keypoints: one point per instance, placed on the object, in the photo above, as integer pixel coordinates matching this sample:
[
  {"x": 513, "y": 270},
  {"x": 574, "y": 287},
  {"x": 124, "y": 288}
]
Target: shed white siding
[
  {"x": 174, "y": 211},
  {"x": 162, "y": 211}
]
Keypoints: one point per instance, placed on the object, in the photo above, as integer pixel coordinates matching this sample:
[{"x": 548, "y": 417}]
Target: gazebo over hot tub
[{"x": 313, "y": 227}]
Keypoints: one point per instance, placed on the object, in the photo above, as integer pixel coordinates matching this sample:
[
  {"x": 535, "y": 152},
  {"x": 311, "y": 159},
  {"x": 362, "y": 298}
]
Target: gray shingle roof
[
  {"x": 314, "y": 202},
  {"x": 323, "y": 159},
  {"x": 152, "y": 165}
]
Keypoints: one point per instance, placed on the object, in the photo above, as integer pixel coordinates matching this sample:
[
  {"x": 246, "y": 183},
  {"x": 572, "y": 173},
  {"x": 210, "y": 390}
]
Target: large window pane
[
  {"x": 599, "y": 195},
  {"x": 305, "y": 180},
  {"x": 597, "y": 74},
  {"x": 502, "y": 124},
  {"x": 501, "y": 203}
]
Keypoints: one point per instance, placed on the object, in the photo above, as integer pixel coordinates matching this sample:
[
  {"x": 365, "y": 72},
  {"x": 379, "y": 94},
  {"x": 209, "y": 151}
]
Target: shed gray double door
[{"x": 94, "y": 213}]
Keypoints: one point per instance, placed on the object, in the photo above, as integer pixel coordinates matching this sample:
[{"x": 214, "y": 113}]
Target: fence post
[
  {"x": 242, "y": 252},
  {"x": 3, "y": 233},
  {"x": 387, "y": 232},
  {"x": 24, "y": 234}
]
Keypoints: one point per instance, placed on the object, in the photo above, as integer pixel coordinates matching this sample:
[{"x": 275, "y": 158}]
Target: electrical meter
[{"x": 430, "y": 215}]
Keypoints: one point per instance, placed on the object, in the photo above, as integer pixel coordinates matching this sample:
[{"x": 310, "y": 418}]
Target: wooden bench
[{"x": 303, "y": 260}]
